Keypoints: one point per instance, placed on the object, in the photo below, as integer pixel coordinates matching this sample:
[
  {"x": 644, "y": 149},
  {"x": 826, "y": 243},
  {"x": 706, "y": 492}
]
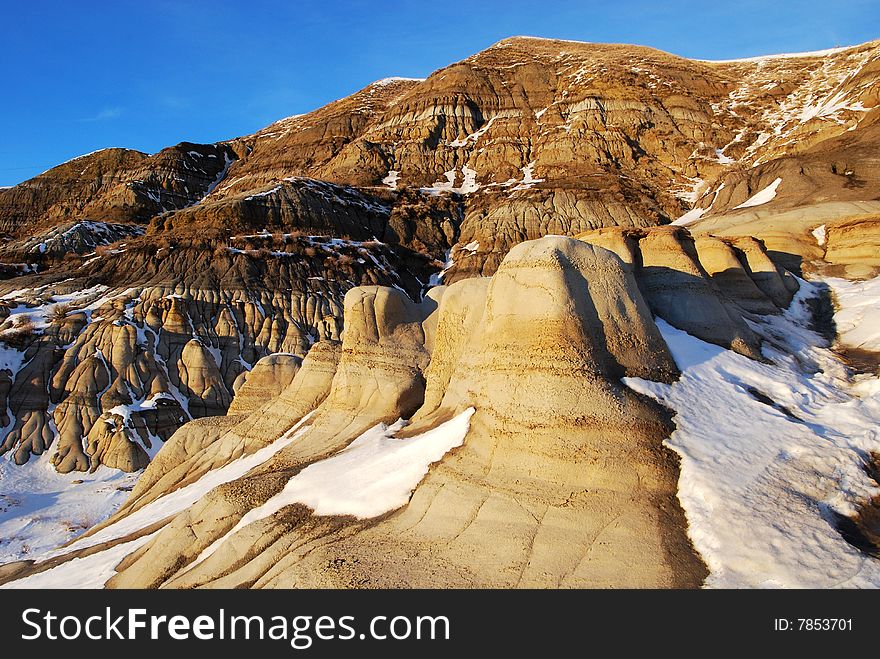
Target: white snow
[
  {"x": 758, "y": 486},
  {"x": 174, "y": 502},
  {"x": 762, "y": 196},
  {"x": 470, "y": 180},
  {"x": 476, "y": 135},
  {"x": 858, "y": 312},
  {"x": 149, "y": 403},
  {"x": 89, "y": 572},
  {"x": 528, "y": 179},
  {"x": 819, "y": 235},
  {"x": 829, "y": 107},
  {"x": 374, "y": 475},
  {"x": 469, "y": 183},
  {"x": 220, "y": 176},
  {"x": 100, "y": 565},
  {"x": 87, "y": 299},
  {"x": 436, "y": 279},
  {"x": 264, "y": 193},
  {"x": 472, "y": 246},
  {"x": 448, "y": 183},
  {"x": 10, "y": 358},
  {"x": 695, "y": 214},
  {"x": 391, "y": 179},
  {"x": 41, "y": 509},
  {"x": 722, "y": 158},
  {"x": 760, "y": 58},
  {"x": 692, "y": 193},
  {"x": 690, "y": 217},
  {"x": 387, "y": 81}
]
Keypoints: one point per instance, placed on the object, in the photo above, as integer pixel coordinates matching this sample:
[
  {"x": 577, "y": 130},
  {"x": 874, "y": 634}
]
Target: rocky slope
[
  {"x": 103, "y": 373},
  {"x": 265, "y": 310},
  {"x": 114, "y": 185}
]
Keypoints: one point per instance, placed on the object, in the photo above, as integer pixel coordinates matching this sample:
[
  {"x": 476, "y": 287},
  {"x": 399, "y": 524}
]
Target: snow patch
[
  {"x": 178, "y": 500},
  {"x": 759, "y": 481},
  {"x": 857, "y": 315},
  {"x": 819, "y": 235},
  {"x": 374, "y": 475},
  {"x": 476, "y": 135},
  {"x": 391, "y": 179},
  {"x": 761, "y": 58},
  {"x": 690, "y": 217},
  {"x": 763, "y": 196},
  {"x": 723, "y": 159},
  {"x": 391, "y": 80},
  {"x": 469, "y": 183},
  {"x": 89, "y": 572},
  {"x": 264, "y": 193},
  {"x": 41, "y": 509},
  {"x": 528, "y": 179}
]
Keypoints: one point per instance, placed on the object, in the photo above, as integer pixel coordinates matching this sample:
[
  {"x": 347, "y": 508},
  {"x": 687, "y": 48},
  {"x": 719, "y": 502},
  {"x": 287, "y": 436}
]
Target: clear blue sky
[{"x": 79, "y": 76}]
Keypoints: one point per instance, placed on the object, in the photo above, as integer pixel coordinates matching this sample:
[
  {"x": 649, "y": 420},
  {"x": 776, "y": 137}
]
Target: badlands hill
[{"x": 266, "y": 311}]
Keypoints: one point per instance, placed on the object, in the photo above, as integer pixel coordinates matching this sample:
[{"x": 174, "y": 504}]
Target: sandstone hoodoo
[
  {"x": 453, "y": 332},
  {"x": 556, "y": 423}
]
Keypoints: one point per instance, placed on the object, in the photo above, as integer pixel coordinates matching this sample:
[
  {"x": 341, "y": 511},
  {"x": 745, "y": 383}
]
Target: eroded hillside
[{"x": 404, "y": 339}]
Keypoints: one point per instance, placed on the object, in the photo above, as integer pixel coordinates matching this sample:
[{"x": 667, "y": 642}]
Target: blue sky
[{"x": 80, "y": 76}]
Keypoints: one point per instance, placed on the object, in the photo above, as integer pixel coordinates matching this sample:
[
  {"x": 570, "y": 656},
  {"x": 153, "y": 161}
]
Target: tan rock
[
  {"x": 724, "y": 264},
  {"x": 562, "y": 480},
  {"x": 378, "y": 379}
]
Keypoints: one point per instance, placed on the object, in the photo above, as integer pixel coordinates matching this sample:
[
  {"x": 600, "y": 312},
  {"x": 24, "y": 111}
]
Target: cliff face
[
  {"x": 215, "y": 256},
  {"x": 111, "y": 360},
  {"x": 563, "y": 450},
  {"x": 527, "y": 137},
  {"x": 114, "y": 185},
  {"x": 266, "y": 311}
]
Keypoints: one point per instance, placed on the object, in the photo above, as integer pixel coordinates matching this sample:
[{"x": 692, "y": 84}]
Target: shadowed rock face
[
  {"x": 116, "y": 371},
  {"x": 562, "y": 479},
  {"x": 114, "y": 185},
  {"x": 705, "y": 286}
]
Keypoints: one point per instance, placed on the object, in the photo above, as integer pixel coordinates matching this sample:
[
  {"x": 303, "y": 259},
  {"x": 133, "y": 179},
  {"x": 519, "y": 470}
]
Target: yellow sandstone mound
[{"x": 562, "y": 478}]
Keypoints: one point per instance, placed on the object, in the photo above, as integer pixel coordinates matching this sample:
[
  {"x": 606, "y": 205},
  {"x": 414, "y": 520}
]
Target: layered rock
[
  {"x": 140, "y": 360},
  {"x": 562, "y": 479},
  {"x": 705, "y": 286},
  {"x": 854, "y": 246},
  {"x": 264, "y": 382},
  {"x": 68, "y": 238},
  {"x": 378, "y": 378},
  {"x": 724, "y": 263},
  {"x": 114, "y": 185},
  {"x": 212, "y": 442},
  {"x": 529, "y": 137}
]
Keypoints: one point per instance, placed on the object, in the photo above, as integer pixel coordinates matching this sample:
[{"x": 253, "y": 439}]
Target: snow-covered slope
[
  {"x": 858, "y": 312},
  {"x": 771, "y": 455}
]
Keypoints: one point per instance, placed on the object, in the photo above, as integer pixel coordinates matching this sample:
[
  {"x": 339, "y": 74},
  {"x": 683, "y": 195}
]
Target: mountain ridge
[{"x": 503, "y": 261}]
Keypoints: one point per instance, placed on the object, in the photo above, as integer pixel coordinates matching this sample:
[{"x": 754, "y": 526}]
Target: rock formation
[
  {"x": 124, "y": 367},
  {"x": 705, "y": 286},
  {"x": 485, "y": 249},
  {"x": 560, "y": 451},
  {"x": 114, "y": 185}
]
